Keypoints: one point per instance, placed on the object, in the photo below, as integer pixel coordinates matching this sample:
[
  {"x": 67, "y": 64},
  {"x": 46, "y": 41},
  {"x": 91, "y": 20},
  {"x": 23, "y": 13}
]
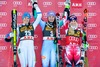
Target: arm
[
  {"x": 17, "y": 34},
  {"x": 42, "y": 24},
  {"x": 39, "y": 15},
  {"x": 10, "y": 35},
  {"x": 66, "y": 14}
]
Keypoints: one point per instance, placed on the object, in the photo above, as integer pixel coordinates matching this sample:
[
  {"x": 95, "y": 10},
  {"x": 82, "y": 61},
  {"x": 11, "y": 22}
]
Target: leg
[
  {"x": 69, "y": 56},
  {"x": 77, "y": 55},
  {"x": 45, "y": 54},
  {"x": 31, "y": 55},
  {"x": 53, "y": 56},
  {"x": 22, "y": 54},
  {"x": 68, "y": 65}
]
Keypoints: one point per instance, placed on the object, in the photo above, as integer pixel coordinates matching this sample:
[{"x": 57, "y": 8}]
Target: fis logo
[
  {"x": 3, "y": 14},
  {"x": 45, "y": 4},
  {"x": 91, "y": 4},
  {"x": 3, "y": 3},
  {"x": 17, "y": 3}
]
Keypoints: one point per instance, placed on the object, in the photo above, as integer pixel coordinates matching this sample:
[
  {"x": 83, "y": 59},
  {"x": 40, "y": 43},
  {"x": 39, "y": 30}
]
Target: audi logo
[
  {"x": 35, "y": 47},
  {"x": 92, "y": 14},
  {"x": 91, "y": 3},
  {"x": 74, "y": 38},
  {"x": 47, "y": 3},
  {"x": 77, "y": 14},
  {"x": 93, "y": 47},
  {"x": 3, "y": 13},
  {"x": 3, "y": 2},
  {"x": 92, "y": 25},
  {"x": 3, "y": 48},
  {"x": 3, "y": 25},
  {"x": 92, "y": 36},
  {"x": 60, "y": 3},
  {"x": 17, "y": 2},
  {"x": 2, "y": 36}
]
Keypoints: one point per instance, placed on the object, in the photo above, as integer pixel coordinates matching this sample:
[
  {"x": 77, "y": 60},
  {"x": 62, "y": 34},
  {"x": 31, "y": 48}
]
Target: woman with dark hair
[{"x": 49, "y": 48}]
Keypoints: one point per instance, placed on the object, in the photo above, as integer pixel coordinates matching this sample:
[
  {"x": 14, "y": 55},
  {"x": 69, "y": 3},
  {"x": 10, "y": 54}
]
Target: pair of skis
[
  {"x": 84, "y": 40},
  {"x": 58, "y": 38},
  {"x": 13, "y": 35},
  {"x": 14, "y": 30},
  {"x": 59, "y": 47}
]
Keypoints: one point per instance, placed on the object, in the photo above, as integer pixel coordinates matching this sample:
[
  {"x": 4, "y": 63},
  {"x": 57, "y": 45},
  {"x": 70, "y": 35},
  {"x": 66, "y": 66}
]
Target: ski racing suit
[
  {"x": 49, "y": 48},
  {"x": 73, "y": 43},
  {"x": 25, "y": 34},
  {"x": 73, "y": 52}
]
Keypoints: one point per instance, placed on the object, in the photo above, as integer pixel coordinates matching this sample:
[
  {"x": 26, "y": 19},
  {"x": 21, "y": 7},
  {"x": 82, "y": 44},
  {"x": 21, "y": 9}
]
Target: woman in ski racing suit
[
  {"x": 49, "y": 48},
  {"x": 73, "y": 39},
  {"x": 25, "y": 33}
]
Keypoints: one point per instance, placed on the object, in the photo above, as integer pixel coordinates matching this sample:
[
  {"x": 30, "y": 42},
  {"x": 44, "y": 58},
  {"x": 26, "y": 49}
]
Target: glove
[
  {"x": 11, "y": 34},
  {"x": 33, "y": 1},
  {"x": 85, "y": 46},
  {"x": 67, "y": 5},
  {"x": 55, "y": 41},
  {"x": 35, "y": 4}
]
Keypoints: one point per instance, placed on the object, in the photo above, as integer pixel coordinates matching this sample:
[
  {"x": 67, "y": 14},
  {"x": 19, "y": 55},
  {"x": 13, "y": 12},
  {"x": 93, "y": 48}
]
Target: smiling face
[
  {"x": 26, "y": 20},
  {"x": 73, "y": 24},
  {"x": 51, "y": 18}
]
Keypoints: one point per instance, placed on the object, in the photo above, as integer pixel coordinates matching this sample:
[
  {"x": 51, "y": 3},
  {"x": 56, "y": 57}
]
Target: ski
[
  {"x": 14, "y": 30},
  {"x": 58, "y": 38},
  {"x": 67, "y": 8},
  {"x": 84, "y": 40}
]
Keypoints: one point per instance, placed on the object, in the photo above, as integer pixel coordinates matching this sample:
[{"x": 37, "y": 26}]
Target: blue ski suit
[{"x": 49, "y": 48}]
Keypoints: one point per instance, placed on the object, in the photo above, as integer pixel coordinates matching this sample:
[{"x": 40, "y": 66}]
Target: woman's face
[
  {"x": 51, "y": 18},
  {"x": 73, "y": 24},
  {"x": 26, "y": 20}
]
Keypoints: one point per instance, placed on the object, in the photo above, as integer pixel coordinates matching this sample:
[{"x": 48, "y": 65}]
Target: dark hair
[{"x": 54, "y": 28}]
